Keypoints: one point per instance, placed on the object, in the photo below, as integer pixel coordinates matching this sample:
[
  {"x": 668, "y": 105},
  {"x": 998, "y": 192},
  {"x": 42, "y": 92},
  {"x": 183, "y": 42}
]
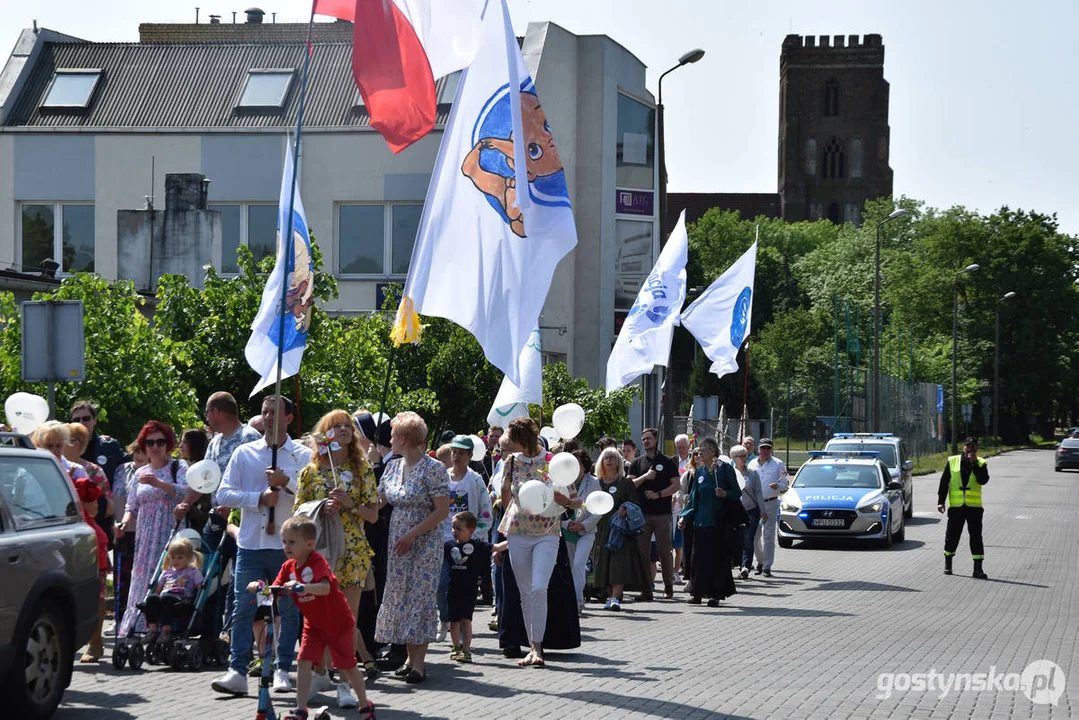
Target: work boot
[
  {"x": 978, "y": 572},
  {"x": 947, "y": 564}
]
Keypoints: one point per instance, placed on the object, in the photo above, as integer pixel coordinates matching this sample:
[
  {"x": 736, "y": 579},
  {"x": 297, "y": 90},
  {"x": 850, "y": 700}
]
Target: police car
[
  {"x": 893, "y": 453},
  {"x": 842, "y": 495}
]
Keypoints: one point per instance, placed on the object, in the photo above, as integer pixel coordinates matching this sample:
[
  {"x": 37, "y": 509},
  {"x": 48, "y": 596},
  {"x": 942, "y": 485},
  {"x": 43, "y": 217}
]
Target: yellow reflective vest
[{"x": 957, "y": 496}]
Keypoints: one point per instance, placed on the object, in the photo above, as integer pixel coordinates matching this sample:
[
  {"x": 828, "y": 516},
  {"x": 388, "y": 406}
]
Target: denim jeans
[
  {"x": 747, "y": 536},
  {"x": 251, "y": 566}
]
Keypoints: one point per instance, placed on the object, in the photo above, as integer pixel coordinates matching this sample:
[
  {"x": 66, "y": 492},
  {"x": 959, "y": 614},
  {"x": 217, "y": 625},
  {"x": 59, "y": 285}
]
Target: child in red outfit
[
  {"x": 89, "y": 493},
  {"x": 327, "y": 618}
]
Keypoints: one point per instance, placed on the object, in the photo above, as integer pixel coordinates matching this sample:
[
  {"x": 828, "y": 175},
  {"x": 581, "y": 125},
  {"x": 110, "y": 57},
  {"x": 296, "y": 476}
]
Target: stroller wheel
[
  {"x": 194, "y": 657},
  {"x": 119, "y": 655},
  {"x": 151, "y": 653},
  {"x": 135, "y": 656},
  {"x": 177, "y": 655}
]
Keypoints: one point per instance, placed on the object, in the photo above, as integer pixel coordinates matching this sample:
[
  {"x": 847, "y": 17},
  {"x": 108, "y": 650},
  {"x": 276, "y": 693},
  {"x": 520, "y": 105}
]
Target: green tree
[{"x": 604, "y": 414}]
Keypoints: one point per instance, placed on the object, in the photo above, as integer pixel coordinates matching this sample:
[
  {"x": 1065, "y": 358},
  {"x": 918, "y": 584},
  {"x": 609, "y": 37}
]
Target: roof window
[
  {"x": 266, "y": 88},
  {"x": 71, "y": 88}
]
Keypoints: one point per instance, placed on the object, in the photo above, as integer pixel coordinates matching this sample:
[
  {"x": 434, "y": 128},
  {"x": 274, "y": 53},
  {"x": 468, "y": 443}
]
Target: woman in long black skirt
[{"x": 712, "y": 487}]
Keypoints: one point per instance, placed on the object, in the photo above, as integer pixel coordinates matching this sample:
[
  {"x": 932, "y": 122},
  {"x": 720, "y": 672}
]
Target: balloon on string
[
  {"x": 204, "y": 476},
  {"x": 478, "y": 448},
  {"x": 564, "y": 469},
  {"x": 550, "y": 434},
  {"x": 553, "y": 509},
  {"x": 25, "y": 411},
  {"x": 599, "y": 503},
  {"x": 535, "y": 496},
  {"x": 568, "y": 420}
]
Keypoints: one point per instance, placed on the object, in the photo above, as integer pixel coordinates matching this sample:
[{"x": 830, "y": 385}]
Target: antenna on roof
[{"x": 35, "y": 26}]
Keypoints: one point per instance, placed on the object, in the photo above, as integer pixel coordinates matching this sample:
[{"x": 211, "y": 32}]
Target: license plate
[{"x": 829, "y": 522}]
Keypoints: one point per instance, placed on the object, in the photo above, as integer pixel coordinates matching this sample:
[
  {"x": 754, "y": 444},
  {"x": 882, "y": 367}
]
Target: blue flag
[{"x": 294, "y": 274}]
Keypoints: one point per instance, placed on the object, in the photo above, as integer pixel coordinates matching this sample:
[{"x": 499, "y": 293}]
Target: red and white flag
[{"x": 399, "y": 48}]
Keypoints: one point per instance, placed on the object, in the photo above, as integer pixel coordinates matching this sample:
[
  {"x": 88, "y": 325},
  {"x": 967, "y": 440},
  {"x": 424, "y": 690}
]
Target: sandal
[
  {"x": 368, "y": 711},
  {"x": 526, "y": 660},
  {"x": 414, "y": 677}
]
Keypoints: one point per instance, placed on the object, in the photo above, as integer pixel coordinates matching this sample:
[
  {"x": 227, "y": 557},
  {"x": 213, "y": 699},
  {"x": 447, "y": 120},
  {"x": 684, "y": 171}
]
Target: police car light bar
[
  {"x": 863, "y": 435},
  {"x": 843, "y": 453}
]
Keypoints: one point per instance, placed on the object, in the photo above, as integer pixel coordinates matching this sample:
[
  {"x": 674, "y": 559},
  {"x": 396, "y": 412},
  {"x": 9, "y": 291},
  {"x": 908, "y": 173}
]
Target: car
[
  {"x": 50, "y": 590},
  {"x": 842, "y": 494},
  {"x": 893, "y": 453},
  {"x": 1067, "y": 454}
]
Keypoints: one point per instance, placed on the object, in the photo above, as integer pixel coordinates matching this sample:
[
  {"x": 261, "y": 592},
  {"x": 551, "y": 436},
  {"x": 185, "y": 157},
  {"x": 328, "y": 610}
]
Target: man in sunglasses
[{"x": 102, "y": 449}]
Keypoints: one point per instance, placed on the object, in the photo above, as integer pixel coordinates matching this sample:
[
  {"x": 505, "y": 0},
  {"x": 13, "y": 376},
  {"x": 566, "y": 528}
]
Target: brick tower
[{"x": 833, "y": 127}]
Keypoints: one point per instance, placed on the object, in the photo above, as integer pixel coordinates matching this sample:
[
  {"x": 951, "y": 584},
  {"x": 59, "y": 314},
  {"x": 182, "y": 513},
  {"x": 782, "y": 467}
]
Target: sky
[{"x": 983, "y": 103}]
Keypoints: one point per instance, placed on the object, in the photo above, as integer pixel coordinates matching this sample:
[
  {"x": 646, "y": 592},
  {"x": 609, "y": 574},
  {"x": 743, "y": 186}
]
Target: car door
[{"x": 895, "y": 498}]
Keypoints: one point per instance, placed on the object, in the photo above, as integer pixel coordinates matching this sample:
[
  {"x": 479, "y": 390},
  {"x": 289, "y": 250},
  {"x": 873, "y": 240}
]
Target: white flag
[
  {"x": 512, "y": 401},
  {"x": 485, "y": 252},
  {"x": 721, "y": 318},
  {"x": 295, "y": 268},
  {"x": 645, "y": 338}
]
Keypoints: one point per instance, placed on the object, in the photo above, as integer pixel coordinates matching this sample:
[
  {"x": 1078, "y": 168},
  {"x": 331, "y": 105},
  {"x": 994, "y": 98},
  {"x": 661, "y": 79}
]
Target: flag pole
[
  {"x": 745, "y": 396},
  {"x": 386, "y": 386},
  {"x": 289, "y": 252}
]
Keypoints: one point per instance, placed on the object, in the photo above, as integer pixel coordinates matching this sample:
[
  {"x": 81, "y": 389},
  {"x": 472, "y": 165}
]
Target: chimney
[{"x": 254, "y": 16}]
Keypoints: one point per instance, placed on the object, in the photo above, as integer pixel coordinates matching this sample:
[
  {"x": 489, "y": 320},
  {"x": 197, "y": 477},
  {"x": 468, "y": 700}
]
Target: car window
[
  {"x": 844, "y": 476},
  {"x": 36, "y": 492},
  {"x": 886, "y": 450},
  {"x": 1070, "y": 443}
]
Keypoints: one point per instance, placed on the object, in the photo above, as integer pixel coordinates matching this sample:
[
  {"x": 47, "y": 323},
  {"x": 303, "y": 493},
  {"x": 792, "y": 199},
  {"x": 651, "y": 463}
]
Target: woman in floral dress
[
  {"x": 418, "y": 488},
  {"x": 150, "y": 503},
  {"x": 340, "y": 472}
]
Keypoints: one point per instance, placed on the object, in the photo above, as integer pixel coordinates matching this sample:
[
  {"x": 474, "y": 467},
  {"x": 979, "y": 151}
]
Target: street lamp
[
  {"x": 996, "y": 367},
  {"x": 973, "y": 267},
  {"x": 690, "y": 57},
  {"x": 897, "y": 213}
]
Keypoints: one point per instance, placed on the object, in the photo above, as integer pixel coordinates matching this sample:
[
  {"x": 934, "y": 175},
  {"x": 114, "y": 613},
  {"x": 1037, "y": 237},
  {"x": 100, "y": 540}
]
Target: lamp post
[
  {"x": 690, "y": 57},
  {"x": 955, "y": 344},
  {"x": 897, "y": 213},
  {"x": 996, "y": 367}
]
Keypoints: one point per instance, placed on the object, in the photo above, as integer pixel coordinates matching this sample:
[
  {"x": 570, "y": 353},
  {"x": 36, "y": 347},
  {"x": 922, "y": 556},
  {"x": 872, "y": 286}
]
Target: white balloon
[
  {"x": 25, "y": 411},
  {"x": 549, "y": 433},
  {"x": 478, "y": 448},
  {"x": 192, "y": 535},
  {"x": 568, "y": 420},
  {"x": 599, "y": 503},
  {"x": 535, "y": 497},
  {"x": 564, "y": 469},
  {"x": 554, "y": 509},
  {"x": 204, "y": 476}
]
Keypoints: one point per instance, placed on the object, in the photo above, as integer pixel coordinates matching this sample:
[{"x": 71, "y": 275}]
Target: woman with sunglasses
[{"x": 159, "y": 486}]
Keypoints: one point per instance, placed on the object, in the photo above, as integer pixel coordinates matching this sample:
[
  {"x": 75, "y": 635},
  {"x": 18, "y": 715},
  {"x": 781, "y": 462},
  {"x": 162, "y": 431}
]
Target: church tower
[{"x": 833, "y": 127}]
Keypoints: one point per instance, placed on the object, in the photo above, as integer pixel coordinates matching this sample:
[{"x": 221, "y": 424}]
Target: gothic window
[
  {"x": 811, "y": 157},
  {"x": 831, "y": 98},
  {"x": 856, "y": 158},
  {"x": 833, "y": 160}
]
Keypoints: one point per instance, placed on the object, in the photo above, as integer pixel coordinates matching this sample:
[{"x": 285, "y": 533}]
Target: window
[
  {"x": 372, "y": 238},
  {"x": 71, "y": 88},
  {"x": 61, "y": 232},
  {"x": 266, "y": 88},
  {"x": 633, "y": 262},
  {"x": 635, "y": 161},
  {"x": 811, "y": 157},
  {"x": 246, "y": 224},
  {"x": 37, "y": 493},
  {"x": 833, "y": 161},
  {"x": 831, "y": 98},
  {"x": 833, "y": 212}
]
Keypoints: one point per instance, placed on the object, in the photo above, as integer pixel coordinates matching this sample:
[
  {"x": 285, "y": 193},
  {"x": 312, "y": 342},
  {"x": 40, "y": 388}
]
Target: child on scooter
[
  {"x": 327, "y": 617},
  {"x": 174, "y": 595}
]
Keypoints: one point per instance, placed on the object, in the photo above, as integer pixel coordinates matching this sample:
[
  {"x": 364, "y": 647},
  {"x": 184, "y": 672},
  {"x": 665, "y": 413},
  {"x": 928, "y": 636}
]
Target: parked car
[
  {"x": 50, "y": 588},
  {"x": 893, "y": 453},
  {"x": 1067, "y": 454}
]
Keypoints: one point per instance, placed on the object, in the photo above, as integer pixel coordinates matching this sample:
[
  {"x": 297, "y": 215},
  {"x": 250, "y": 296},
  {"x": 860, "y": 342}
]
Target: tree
[{"x": 604, "y": 414}]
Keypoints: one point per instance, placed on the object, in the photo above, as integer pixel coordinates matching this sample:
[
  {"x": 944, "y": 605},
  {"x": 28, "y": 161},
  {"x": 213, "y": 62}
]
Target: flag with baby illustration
[{"x": 497, "y": 218}]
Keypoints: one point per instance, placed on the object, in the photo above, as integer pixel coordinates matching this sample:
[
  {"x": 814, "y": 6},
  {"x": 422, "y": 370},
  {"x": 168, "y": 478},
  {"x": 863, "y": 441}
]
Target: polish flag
[{"x": 399, "y": 48}]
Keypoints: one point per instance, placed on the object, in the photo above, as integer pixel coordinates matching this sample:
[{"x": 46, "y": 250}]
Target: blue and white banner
[
  {"x": 295, "y": 272},
  {"x": 645, "y": 338},
  {"x": 721, "y": 318},
  {"x": 512, "y": 400},
  {"x": 497, "y": 219}
]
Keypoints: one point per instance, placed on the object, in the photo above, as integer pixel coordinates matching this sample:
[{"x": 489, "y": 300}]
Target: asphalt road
[{"x": 841, "y": 631}]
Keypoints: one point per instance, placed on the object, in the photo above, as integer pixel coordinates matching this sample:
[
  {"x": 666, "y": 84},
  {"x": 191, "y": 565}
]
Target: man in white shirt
[
  {"x": 251, "y": 484},
  {"x": 774, "y": 482}
]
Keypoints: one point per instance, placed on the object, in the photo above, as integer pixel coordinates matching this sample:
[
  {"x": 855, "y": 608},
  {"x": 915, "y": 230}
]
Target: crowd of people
[{"x": 410, "y": 538}]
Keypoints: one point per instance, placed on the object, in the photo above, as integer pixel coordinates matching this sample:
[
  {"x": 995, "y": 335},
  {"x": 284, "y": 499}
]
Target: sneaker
[
  {"x": 616, "y": 604},
  {"x": 232, "y": 683},
  {"x": 345, "y": 698},
  {"x": 281, "y": 683},
  {"x": 320, "y": 682},
  {"x": 610, "y": 603},
  {"x": 678, "y": 580},
  {"x": 443, "y": 630},
  {"x": 465, "y": 656},
  {"x": 744, "y": 573}
]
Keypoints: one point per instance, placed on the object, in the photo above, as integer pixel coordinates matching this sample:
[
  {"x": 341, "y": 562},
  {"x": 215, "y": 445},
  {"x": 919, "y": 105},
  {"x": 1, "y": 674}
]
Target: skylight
[
  {"x": 71, "y": 88},
  {"x": 266, "y": 88}
]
